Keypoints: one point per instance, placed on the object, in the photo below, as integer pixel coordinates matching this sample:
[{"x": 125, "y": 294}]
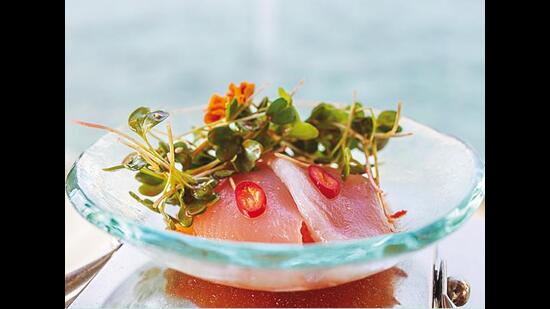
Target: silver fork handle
[{"x": 84, "y": 274}]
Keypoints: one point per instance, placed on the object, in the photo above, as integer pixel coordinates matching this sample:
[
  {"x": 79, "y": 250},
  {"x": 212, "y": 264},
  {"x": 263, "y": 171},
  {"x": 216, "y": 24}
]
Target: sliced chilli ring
[
  {"x": 325, "y": 182},
  {"x": 250, "y": 198}
]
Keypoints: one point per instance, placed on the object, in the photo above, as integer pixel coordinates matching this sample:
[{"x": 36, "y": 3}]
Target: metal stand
[{"x": 449, "y": 292}]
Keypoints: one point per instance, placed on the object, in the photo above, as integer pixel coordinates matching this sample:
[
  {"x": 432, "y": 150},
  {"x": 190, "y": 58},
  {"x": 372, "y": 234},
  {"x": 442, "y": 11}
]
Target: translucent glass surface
[{"x": 436, "y": 177}]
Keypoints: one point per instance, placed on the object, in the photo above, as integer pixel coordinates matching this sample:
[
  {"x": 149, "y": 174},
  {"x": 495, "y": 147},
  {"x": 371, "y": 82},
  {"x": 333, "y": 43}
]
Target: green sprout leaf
[
  {"x": 199, "y": 206},
  {"x": 229, "y": 150},
  {"x": 281, "y": 112},
  {"x": 286, "y": 116},
  {"x": 114, "y": 168},
  {"x": 246, "y": 160},
  {"x": 182, "y": 154},
  {"x": 142, "y": 120},
  {"x": 231, "y": 109},
  {"x": 252, "y": 149},
  {"x": 148, "y": 178},
  {"x": 359, "y": 112},
  {"x": 204, "y": 189},
  {"x": 386, "y": 118},
  {"x": 170, "y": 221},
  {"x": 381, "y": 143},
  {"x": 146, "y": 202},
  {"x": 183, "y": 218},
  {"x": 283, "y": 94},
  {"x": 176, "y": 198},
  {"x": 163, "y": 148},
  {"x": 276, "y": 107},
  {"x": 362, "y": 125},
  {"x": 201, "y": 159},
  {"x": 134, "y": 162},
  {"x": 303, "y": 131},
  {"x": 264, "y": 138},
  {"x": 221, "y": 135},
  {"x": 324, "y": 114},
  {"x": 227, "y": 142},
  {"x": 223, "y": 174},
  {"x": 263, "y": 103},
  {"x": 385, "y": 122},
  {"x": 309, "y": 146},
  {"x": 196, "y": 207},
  {"x": 149, "y": 190},
  {"x": 152, "y": 119},
  {"x": 136, "y": 118}
]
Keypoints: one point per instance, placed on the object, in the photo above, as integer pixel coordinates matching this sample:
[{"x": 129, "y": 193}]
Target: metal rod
[{"x": 79, "y": 276}]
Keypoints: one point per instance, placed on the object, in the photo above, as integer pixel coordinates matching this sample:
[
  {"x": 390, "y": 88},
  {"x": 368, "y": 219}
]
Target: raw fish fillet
[
  {"x": 354, "y": 213},
  {"x": 280, "y": 223}
]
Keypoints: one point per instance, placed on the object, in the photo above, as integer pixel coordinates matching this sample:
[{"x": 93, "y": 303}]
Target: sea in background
[{"x": 169, "y": 54}]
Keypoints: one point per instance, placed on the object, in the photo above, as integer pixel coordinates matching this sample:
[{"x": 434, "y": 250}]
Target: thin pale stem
[
  {"x": 297, "y": 88},
  {"x": 171, "y": 154},
  {"x": 385, "y": 209},
  {"x": 258, "y": 115},
  {"x": 375, "y": 155},
  {"x": 151, "y": 160},
  {"x": 122, "y": 134},
  {"x": 383, "y": 135},
  {"x": 283, "y": 156},
  {"x": 260, "y": 90},
  {"x": 203, "y": 168},
  {"x": 342, "y": 141},
  {"x": 151, "y": 148},
  {"x": 221, "y": 121},
  {"x": 369, "y": 171},
  {"x": 163, "y": 197},
  {"x": 351, "y": 131},
  {"x": 210, "y": 171},
  {"x": 297, "y": 150},
  {"x": 393, "y": 130},
  {"x": 212, "y": 124},
  {"x": 232, "y": 183},
  {"x": 397, "y": 119},
  {"x": 374, "y": 125},
  {"x": 103, "y": 127},
  {"x": 200, "y": 148}
]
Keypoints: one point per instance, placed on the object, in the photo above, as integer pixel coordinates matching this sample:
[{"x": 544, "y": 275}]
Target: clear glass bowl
[{"x": 437, "y": 178}]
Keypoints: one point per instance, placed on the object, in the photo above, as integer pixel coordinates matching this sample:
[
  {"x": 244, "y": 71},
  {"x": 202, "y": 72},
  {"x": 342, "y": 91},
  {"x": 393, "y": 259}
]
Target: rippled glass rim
[{"x": 281, "y": 256}]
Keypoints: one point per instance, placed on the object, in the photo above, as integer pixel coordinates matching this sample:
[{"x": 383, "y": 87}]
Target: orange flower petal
[
  {"x": 242, "y": 93},
  {"x": 217, "y": 104},
  {"x": 216, "y": 108}
]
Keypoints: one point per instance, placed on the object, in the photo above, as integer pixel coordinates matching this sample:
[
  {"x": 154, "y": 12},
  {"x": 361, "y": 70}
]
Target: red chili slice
[
  {"x": 327, "y": 184},
  {"x": 250, "y": 198},
  {"x": 306, "y": 235},
  {"x": 398, "y": 214}
]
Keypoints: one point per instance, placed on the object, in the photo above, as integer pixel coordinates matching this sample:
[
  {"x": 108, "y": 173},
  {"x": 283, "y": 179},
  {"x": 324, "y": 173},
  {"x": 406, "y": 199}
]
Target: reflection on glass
[{"x": 376, "y": 291}]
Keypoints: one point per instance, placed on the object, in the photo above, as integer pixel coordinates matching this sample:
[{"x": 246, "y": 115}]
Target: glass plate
[{"x": 437, "y": 178}]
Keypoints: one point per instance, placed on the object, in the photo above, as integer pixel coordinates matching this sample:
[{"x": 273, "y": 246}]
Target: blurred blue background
[{"x": 168, "y": 54}]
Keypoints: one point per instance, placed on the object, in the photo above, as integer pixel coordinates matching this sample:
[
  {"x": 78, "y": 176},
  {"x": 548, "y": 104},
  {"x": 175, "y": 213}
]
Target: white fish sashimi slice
[{"x": 354, "y": 213}]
